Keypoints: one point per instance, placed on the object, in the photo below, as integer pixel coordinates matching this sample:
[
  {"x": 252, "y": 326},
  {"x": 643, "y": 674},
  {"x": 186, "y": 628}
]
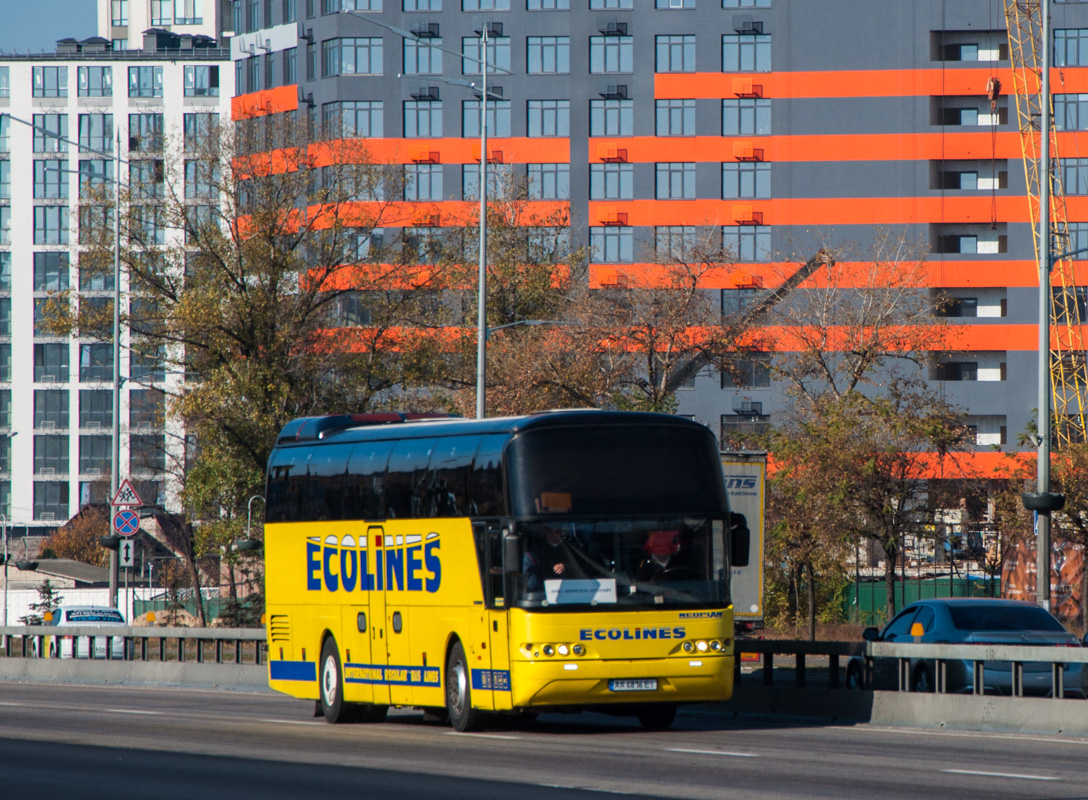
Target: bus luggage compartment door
[{"x": 379, "y": 635}]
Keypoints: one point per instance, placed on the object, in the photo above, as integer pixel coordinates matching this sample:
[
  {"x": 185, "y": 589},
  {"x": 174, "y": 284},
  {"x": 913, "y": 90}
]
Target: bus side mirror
[
  {"x": 511, "y": 553},
  {"x": 740, "y": 540}
]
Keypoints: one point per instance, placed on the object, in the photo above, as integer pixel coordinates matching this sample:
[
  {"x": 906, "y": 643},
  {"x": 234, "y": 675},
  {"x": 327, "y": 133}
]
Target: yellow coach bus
[{"x": 558, "y": 561}]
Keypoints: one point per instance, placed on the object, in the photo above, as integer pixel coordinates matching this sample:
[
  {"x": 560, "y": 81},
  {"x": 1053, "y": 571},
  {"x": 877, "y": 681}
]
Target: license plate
[{"x": 638, "y": 685}]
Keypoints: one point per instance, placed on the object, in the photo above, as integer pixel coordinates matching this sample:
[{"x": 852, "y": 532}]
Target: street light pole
[
  {"x": 116, "y": 442},
  {"x": 481, "y": 320},
  {"x": 4, "y": 527},
  {"x": 1042, "y": 534}
]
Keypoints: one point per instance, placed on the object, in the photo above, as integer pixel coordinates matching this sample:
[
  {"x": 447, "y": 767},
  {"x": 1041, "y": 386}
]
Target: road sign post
[
  {"x": 126, "y": 552},
  {"x": 126, "y": 522}
]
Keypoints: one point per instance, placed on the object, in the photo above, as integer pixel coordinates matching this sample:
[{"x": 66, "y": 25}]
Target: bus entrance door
[{"x": 379, "y": 652}]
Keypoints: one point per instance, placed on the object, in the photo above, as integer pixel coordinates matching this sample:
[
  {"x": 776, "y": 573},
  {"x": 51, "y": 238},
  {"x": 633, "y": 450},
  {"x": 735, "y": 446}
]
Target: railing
[
  {"x": 199, "y": 645},
  {"x": 907, "y": 657}
]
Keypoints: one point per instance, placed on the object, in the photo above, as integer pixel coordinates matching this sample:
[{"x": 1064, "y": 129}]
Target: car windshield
[
  {"x": 985, "y": 617},
  {"x": 93, "y": 615},
  {"x": 628, "y": 563}
]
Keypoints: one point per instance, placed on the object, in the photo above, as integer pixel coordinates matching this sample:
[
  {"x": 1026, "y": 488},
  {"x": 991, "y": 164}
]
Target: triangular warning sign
[{"x": 126, "y": 495}]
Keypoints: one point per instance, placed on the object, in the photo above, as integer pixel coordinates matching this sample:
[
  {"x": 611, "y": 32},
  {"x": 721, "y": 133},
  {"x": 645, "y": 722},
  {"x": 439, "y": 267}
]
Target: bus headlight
[
  {"x": 562, "y": 650},
  {"x": 715, "y": 645},
  {"x": 688, "y": 647},
  {"x": 548, "y": 650},
  {"x": 579, "y": 650},
  {"x": 701, "y": 646}
]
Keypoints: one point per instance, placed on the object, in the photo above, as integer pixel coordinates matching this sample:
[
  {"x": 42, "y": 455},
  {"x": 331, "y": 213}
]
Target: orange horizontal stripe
[
  {"x": 450, "y": 213},
  {"x": 960, "y": 464},
  {"x": 514, "y": 150},
  {"x": 856, "y": 83},
  {"x": 263, "y": 103}
]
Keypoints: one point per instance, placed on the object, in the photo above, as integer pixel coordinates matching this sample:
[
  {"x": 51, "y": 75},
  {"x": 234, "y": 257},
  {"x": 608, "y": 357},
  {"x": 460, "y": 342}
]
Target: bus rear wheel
[
  {"x": 463, "y": 717},
  {"x": 657, "y": 717},
  {"x": 333, "y": 705}
]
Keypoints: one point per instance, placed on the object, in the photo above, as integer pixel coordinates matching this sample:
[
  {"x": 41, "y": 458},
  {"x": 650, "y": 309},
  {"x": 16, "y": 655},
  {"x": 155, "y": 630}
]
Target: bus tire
[
  {"x": 331, "y": 687},
  {"x": 463, "y": 717},
  {"x": 657, "y": 717},
  {"x": 368, "y": 712}
]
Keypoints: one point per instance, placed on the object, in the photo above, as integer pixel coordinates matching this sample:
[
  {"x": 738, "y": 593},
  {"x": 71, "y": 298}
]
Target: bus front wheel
[
  {"x": 334, "y": 707},
  {"x": 463, "y": 716}
]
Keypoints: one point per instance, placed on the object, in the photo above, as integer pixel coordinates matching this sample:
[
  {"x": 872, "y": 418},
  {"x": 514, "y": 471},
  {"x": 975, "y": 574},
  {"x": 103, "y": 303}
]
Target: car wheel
[
  {"x": 335, "y": 709},
  {"x": 463, "y": 716},
  {"x": 854, "y": 677},
  {"x": 923, "y": 681},
  {"x": 657, "y": 717}
]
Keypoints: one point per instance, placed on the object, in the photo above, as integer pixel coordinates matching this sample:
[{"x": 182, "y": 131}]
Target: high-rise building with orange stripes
[{"x": 788, "y": 123}]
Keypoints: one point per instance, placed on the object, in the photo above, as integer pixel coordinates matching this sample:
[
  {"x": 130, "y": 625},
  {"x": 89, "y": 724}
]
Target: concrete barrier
[{"x": 243, "y": 677}]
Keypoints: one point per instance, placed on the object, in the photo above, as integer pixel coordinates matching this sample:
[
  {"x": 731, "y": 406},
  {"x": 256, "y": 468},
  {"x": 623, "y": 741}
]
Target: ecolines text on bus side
[{"x": 409, "y": 563}]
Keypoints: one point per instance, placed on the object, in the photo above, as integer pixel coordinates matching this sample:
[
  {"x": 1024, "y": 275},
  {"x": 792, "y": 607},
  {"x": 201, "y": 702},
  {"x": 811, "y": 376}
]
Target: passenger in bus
[{"x": 662, "y": 555}]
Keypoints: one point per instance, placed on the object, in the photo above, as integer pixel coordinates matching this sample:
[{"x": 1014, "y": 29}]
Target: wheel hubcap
[
  {"x": 458, "y": 688},
  {"x": 329, "y": 681}
]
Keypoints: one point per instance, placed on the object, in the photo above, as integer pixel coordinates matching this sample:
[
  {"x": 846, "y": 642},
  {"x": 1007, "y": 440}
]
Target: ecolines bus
[{"x": 562, "y": 560}]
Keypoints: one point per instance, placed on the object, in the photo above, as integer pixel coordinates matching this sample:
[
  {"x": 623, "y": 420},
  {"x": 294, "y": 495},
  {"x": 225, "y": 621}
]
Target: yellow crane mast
[{"x": 1068, "y": 377}]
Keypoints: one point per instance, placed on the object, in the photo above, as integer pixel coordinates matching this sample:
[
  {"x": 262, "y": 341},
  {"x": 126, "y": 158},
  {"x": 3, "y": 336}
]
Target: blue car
[{"x": 970, "y": 621}]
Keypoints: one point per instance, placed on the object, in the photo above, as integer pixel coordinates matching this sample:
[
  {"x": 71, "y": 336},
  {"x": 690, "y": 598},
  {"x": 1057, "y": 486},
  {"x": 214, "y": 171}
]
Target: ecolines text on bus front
[{"x": 409, "y": 563}]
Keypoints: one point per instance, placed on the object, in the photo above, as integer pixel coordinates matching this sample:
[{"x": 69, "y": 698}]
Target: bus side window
[
  {"x": 486, "y": 487},
  {"x": 328, "y": 477},
  {"x": 367, "y": 480},
  {"x": 407, "y": 476},
  {"x": 447, "y": 481}
]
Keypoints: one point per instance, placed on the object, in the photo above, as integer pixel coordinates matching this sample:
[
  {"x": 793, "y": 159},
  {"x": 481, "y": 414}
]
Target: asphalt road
[{"x": 105, "y": 742}]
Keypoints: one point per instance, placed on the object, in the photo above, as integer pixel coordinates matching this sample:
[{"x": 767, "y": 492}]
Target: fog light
[
  {"x": 579, "y": 650},
  {"x": 562, "y": 650},
  {"x": 715, "y": 645},
  {"x": 549, "y": 650},
  {"x": 700, "y": 646},
  {"x": 688, "y": 647}
]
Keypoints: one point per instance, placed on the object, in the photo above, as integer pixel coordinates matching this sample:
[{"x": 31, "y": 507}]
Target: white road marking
[
  {"x": 962, "y": 734},
  {"x": 582, "y": 788},
  {"x": 133, "y": 711},
  {"x": 482, "y": 735},
  {"x": 13, "y": 705},
  {"x": 1001, "y": 775},
  {"x": 289, "y": 722},
  {"x": 710, "y": 752}
]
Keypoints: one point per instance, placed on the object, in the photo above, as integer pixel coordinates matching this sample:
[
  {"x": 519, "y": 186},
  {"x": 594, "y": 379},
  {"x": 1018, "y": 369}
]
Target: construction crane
[{"x": 1068, "y": 378}]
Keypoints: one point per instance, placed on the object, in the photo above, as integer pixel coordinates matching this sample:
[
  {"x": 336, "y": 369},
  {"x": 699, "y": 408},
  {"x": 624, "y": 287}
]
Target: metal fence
[{"x": 199, "y": 645}]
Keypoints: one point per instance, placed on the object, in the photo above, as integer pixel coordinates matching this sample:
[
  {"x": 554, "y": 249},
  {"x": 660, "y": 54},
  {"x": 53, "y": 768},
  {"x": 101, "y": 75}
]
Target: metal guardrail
[
  {"x": 201, "y": 645},
  {"x": 909, "y": 654}
]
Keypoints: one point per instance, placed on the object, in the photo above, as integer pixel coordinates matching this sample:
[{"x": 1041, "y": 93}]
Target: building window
[
  {"x": 749, "y": 373},
  {"x": 5, "y": 410},
  {"x": 332, "y": 6},
  {"x": 746, "y": 3},
  {"x": 675, "y": 53},
  {"x": 50, "y": 130},
  {"x": 96, "y": 408},
  {"x": 549, "y": 118},
  {"x": 147, "y": 222},
  {"x": 675, "y": 242},
  {"x": 674, "y": 181},
  {"x": 498, "y": 54},
  {"x": 290, "y": 73},
  {"x": 548, "y": 5},
  {"x": 611, "y": 181},
  {"x": 747, "y": 243},
  {"x": 746, "y": 117},
  {"x": 738, "y": 430},
  {"x": 145, "y": 81},
  {"x": 147, "y": 178},
  {"x": 613, "y": 244},
  {"x": 201, "y": 80},
  {"x": 5, "y": 180},
  {"x": 5, "y": 362},
  {"x": 422, "y": 57},
  {"x": 422, "y": 5},
  {"x": 746, "y": 180},
  {"x": 5, "y": 82},
  {"x": 675, "y": 117},
  {"x": 498, "y": 118},
  {"x": 51, "y": 363},
  {"x": 611, "y": 118},
  {"x": 423, "y": 182},
  {"x": 201, "y": 179},
  {"x": 95, "y": 81},
  {"x": 5, "y": 316},
  {"x": 253, "y": 73},
  {"x": 118, "y": 13},
  {"x": 549, "y": 181},
  {"x": 50, "y": 224},
  {"x": 50, "y": 455},
  {"x": 50, "y": 409},
  {"x": 1071, "y": 112},
  {"x": 50, "y": 500},
  {"x": 422, "y": 119},
  {"x": 353, "y": 118},
  {"x": 50, "y": 81},
  {"x": 51, "y": 179},
  {"x": 198, "y": 129},
  {"x": 50, "y": 272},
  {"x": 147, "y": 409},
  {"x": 148, "y": 363},
  {"x": 162, "y": 12},
  {"x": 743, "y": 52},
  {"x": 675, "y": 4},
  {"x": 96, "y": 132},
  {"x": 5, "y": 224},
  {"x": 360, "y": 56},
  {"x": 290, "y": 14},
  {"x": 5, "y": 272},
  {"x": 1071, "y": 47},
  {"x": 145, "y": 133},
  {"x": 611, "y": 54},
  {"x": 607, "y": 5},
  {"x": 311, "y": 60},
  {"x": 94, "y": 455},
  {"x": 499, "y": 177},
  {"x": 485, "y": 5},
  {"x": 425, "y": 245},
  {"x": 957, "y": 371},
  {"x": 548, "y": 55}
]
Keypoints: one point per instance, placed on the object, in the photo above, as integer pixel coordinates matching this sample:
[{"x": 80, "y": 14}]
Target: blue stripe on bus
[
  {"x": 392, "y": 675},
  {"x": 292, "y": 671},
  {"x": 486, "y": 680}
]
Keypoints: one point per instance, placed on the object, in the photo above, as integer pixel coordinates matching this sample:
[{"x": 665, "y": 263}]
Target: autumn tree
[{"x": 78, "y": 538}]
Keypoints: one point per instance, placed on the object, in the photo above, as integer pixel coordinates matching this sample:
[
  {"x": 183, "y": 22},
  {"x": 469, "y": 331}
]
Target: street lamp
[
  {"x": 116, "y": 432},
  {"x": 248, "y": 543},
  {"x": 4, "y": 528}
]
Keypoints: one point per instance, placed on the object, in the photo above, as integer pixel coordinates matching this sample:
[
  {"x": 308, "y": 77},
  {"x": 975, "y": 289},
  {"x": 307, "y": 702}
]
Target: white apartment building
[{"x": 56, "y": 392}]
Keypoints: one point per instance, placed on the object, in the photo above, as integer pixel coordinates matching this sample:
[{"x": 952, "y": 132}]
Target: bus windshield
[{"x": 676, "y": 561}]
